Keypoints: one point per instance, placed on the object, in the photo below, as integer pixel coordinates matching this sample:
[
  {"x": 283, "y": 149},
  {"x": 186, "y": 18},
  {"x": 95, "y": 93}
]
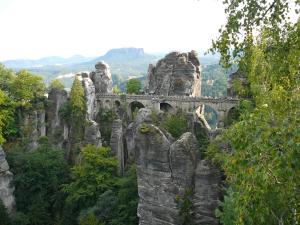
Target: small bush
[
  {"x": 176, "y": 125},
  {"x": 144, "y": 128}
]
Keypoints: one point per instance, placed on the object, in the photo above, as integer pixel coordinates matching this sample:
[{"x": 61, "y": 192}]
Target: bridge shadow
[
  {"x": 133, "y": 108},
  {"x": 166, "y": 107}
]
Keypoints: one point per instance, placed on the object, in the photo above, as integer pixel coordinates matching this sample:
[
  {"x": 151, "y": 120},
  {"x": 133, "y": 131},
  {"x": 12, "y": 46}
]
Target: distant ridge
[{"x": 46, "y": 61}]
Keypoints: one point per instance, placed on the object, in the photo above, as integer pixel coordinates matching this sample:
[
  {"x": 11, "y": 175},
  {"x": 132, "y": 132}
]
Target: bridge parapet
[
  {"x": 169, "y": 98},
  {"x": 220, "y": 105}
]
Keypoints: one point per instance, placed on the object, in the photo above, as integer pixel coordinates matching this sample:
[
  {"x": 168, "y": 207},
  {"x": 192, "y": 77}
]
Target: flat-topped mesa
[
  {"x": 101, "y": 78},
  {"x": 176, "y": 74}
]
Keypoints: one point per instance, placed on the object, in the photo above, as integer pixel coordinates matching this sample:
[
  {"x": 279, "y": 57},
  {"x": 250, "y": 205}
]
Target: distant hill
[
  {"x": 47, "y": 61},
  {"x": 123, "y": 62}
]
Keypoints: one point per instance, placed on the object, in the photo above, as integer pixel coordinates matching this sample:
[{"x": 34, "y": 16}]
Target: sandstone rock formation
[
  {"x": 90, "y": 95},
  {"x": 176, "y": 74},
  {"x": 34, "y": 127},
  {"x": 117, "y": 144},
  {"x": 96, "y": 82},
  {"x": 92, "y": 134},
  {"x": 6, "y": 189},
  {"x": 170, "y": 171},
  {"x": 56, "y": 129},
  {"x": 102, "y": 78}
]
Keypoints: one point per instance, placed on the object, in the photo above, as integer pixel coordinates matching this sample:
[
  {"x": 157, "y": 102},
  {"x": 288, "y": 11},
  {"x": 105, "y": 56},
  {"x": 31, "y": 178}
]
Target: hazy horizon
[
  {"x": 200, "y": 52},
  {"x": 36, "y": 29}
]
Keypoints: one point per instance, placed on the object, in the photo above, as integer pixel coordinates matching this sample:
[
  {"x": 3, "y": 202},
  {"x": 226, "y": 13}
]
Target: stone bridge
[{"x": 221, "y": 106}]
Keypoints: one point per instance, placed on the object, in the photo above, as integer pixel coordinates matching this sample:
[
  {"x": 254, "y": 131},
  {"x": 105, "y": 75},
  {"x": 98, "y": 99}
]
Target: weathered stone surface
[
  {"x": 92, "y": 134},
  {"x": 34, "y": 127},
  {"x": 183, "y": 160},
  {"x": 90, "y": 95},
  {"x": 144, "y": 115},
  {"x": 130, "y": 142},
  {"x": 157, "y": 193},
  {"x": 168, "y": 170},
  {"x": 176, "y": 74},
  {"x": 102, "y": 78},
  {"x": 56, "y": 129},
  {"x": 207, "y": 192},
  {"x": 6, "y": 189},
  {"x": 117, "y": 144}
]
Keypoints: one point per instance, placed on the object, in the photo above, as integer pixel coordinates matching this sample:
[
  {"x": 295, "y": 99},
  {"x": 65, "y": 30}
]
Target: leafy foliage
[
  {"x": 102, "y": 196},
  {"x": 262, "y": 160},
  {"x": 116, "y": 90},
  {"x": 38, "y": 177},
  {"x": 6, "y": 115},
  {"x": 4, "y": 217},
  {"x": 91, "y": 176},
  {"x": 133, "y": 86},
  {"x": 176, "y": 125},
  {"x": 105, "y": 118},
  {"x": 18, "y": 92},
  {"x": 245, "y": 18},
  {"x": 78, "y": 110},
  {"x": 27, "y": 87},
  {"x": 56, "y": 84}
]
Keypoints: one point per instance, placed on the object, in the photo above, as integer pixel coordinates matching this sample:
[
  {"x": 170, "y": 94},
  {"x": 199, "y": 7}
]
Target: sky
[{"x": 39, "y": 28}]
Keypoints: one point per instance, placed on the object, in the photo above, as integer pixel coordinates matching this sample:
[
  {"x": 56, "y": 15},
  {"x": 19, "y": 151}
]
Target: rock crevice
[{"x": 168, "y": 172}]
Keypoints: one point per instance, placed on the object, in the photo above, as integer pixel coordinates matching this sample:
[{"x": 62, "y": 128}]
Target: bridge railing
[{"x": 169, "y": 98}]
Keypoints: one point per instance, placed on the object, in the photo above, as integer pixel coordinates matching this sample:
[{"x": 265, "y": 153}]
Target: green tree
[
  {"x": 176, "y": 125},
  {"x": 7, "y": 123},
  {"x": 117, "y": 206},
  {"x": 133, "y": 86},
  {"x": 262, "y": 164},
  {"x": 78, "y": 110},
  {"x": 27, "y": 87},
  {"x": 38, "y": 177},
  {"x": 6, "y": 78},
  {"x": 56, "y": 84},
  {"x": 116, "y": 90},
  {"x": 91, "y": 176},
  {"x": 98, "y": 194}
]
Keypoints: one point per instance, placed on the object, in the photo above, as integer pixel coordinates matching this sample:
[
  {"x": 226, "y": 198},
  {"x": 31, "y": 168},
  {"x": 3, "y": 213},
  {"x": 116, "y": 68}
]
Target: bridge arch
[
  {"x": 211, "y": 116},
  {"x": 231, "y": 115},
  {"x": 166, "y": 107},
  {"x": 117, "y": 103},
  {"x": 133, "y": 108},
  {"x": 107, "y": 104}
]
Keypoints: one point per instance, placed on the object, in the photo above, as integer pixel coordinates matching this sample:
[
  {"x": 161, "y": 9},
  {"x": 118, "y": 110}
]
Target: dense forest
[
  {"x": 50, "y": 188},
  {"x": 258, "y": 151}
]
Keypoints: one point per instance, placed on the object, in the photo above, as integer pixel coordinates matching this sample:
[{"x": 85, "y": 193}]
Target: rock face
[
  {"x": 34, "y": 127},
  {"x": 102, "y": 78},
  {"x": 6, "y": 190},
  {"x": 56, "y": 129},
  {"x": 90, "y": 95},
  {"x": 117, "y": 144},
  {"x": 176, "y": 74},
  {"x": 170, "y": 171},
  {"x": 92, "y": 134},
  {"x": 207, "y": 192}
]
